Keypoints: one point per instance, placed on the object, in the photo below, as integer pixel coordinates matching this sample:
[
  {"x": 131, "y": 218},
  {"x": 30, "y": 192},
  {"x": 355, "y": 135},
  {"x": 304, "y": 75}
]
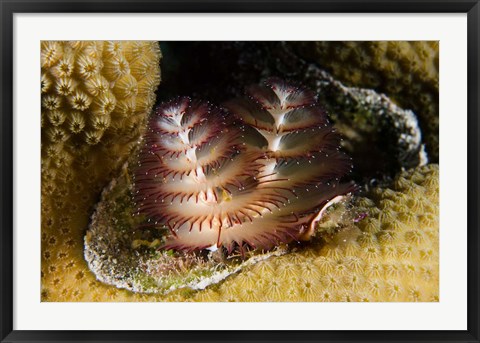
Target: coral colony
[
  {"x": 255, "y": 175},
  {"x": 96, "y": 97}
]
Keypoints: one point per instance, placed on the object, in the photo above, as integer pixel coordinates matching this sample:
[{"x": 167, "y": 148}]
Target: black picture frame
[{"x": 10, "y": 7}]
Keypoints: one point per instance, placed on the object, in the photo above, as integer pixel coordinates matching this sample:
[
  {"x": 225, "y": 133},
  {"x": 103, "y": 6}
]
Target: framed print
[{"x": 251, "y": 171}]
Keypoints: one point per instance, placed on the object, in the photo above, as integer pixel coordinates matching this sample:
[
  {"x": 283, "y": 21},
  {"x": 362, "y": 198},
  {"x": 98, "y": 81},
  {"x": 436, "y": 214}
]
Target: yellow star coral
[
  {"x": 95, "y": 99},
  {"x": 391, "y": 255}
]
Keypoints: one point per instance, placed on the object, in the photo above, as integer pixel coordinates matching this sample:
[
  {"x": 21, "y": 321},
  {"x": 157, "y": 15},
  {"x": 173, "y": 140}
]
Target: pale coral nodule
[{"x": 253, "y": 177}]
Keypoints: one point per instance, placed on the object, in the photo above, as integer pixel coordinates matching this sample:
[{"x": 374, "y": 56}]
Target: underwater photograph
[{"x": 240, "y": 171}]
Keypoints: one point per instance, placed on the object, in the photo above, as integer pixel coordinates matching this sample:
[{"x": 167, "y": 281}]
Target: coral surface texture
[
  {"x": 391, "y": 255},
  {"x": 96, "y": 96},
  {"x": 319, "y": 182}
]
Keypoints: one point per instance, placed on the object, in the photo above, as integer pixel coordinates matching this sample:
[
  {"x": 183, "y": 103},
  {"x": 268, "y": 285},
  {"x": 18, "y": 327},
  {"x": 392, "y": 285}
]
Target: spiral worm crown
[{"x": 257, "y": 179}]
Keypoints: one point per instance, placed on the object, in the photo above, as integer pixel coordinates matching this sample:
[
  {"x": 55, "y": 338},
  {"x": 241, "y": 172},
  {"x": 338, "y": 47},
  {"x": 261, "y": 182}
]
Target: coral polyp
[{"x": 254, "y": 178}]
